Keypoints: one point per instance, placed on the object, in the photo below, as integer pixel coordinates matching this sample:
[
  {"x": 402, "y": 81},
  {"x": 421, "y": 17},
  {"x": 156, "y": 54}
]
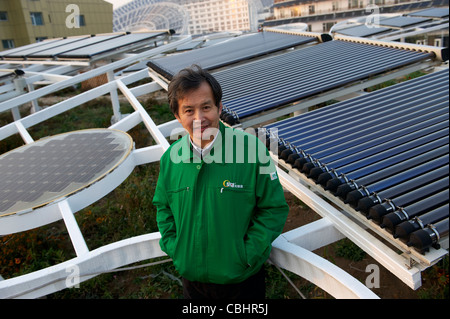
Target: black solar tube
[
  {"x": 246, "y": 76},
  {"x": 389, "y": 157},
  {"x": 352, "y": 135},
  {"x": 387, "y": 179},
  {"x": 404, "y": 229},
  {"x": 435, "y": 123},
  {"x": 420, "y": 207},
  {"x": 381, "y": 154},
  {"x": 364, "y": 102},
  {"x": 313, "y": 140},
  {"x": 323, "y": 172},
  {"x": 245, "y": 73},
  {"x": 394, "y": 175},
  {"x": 340, "y": 144},
  {"x": 306, "y": 60},
  {"x": 377, "y": 177},
  {"x": 336, "y": 76},
  {"x": 415, "y": 194},
  {"x": 339, "y": 122},
  {"x": 256, "y": 100},
  {"x": 428, "y": 237},
  {"x": 237, "y": 49},
  {"x": 333, "y": 183}
]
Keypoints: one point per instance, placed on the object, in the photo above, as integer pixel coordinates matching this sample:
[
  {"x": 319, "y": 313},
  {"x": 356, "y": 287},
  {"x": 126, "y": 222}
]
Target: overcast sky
[{"x": 117, "y": 3}]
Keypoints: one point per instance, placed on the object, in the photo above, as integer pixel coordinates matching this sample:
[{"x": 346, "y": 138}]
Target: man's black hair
[{"x": 189, "y": 79}]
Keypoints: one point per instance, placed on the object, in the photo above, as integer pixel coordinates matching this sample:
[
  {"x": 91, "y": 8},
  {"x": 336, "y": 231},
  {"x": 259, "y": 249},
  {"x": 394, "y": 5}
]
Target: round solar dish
[{"x": 39, "y": 173}]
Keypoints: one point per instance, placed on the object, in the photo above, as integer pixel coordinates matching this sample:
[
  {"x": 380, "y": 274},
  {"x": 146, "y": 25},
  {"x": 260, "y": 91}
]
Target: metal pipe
[
  {"x": 382, "y": 174},
  {"x": 404, "y": 229},
  {"x": 389, "y": 133},
  {"x": 397, "y": 173},
  {"x": 401, "y": 194},
  {"x": 393, "y": 219},
  {"x": 386, "y": 155},
  {"x": 428, "y": 237},
  {"x": 440, "y": 53},
  {"x": 363, "y": 103}
]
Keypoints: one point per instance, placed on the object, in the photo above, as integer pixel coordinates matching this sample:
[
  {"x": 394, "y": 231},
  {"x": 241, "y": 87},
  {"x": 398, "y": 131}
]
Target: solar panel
[
  {"x": 385, "y": 153},
  {"x": 286, "y": 78},
  {"x": 26, "y": 47},
  {"x": 432, "y": 12},
  {"x": 48, "y": 169},
  {"x": 402, "y": 21},
  {"x": 54, "y": 51},
  {"x": 228, "y": 52},
  {"x": 362, "y": 31},
  {"x": 23, "y": 52},
  {"x": 109, "y": 45}
]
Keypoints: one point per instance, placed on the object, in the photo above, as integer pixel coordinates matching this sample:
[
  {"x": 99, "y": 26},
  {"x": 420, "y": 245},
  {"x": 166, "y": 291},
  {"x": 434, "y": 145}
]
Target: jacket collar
[{"x": 193, "y": 156}]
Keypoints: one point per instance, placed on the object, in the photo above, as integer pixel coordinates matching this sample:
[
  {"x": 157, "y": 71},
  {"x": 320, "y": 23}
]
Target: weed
[{"x": 347, "y": 249}]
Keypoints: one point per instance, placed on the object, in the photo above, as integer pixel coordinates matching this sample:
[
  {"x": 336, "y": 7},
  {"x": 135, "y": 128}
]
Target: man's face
[{"x": 199, "y": 115}]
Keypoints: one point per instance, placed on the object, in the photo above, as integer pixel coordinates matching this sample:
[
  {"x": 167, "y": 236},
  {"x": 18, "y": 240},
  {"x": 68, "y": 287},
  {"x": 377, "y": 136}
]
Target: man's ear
[
  {"x": 177, "y": 117},
  {"x": 220, "y": 107}
]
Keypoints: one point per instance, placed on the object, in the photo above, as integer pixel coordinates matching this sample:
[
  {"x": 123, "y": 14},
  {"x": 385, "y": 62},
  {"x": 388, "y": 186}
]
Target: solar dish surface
[{"x": 48, "y": 169}]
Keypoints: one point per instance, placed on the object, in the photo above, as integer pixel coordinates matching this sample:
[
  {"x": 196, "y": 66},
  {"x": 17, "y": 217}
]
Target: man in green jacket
[{"x": 219, "y": 200}]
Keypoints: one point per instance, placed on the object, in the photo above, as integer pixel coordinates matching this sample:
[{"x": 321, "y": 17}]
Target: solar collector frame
[
  {"x": 229, "y": 52},
  {"x": 83, "y": 43},
  {"x": 35, "y": 48},
  {"x": 108, "y": 45},
  {"x": 271, "y": 82},
  {"x": 423, "y": 149}
]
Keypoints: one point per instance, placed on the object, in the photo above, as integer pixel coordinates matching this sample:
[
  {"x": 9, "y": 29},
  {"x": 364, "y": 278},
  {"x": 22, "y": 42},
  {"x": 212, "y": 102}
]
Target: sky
[{"x": 117, "y": 3}]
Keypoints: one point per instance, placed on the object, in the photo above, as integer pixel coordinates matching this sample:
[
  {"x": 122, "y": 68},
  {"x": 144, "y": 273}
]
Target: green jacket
[{"x": 218, "y": 219}]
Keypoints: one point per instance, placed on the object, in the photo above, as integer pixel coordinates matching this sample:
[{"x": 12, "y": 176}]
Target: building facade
[
  {"x": 27, "y": 21},
  {"x": 193, "y": 17},
  {"x": 288, "y": 9},
  {"x": 207, "y": 16}
]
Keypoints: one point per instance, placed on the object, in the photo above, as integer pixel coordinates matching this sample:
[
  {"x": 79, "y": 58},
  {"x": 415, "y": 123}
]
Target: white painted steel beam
[
  {"x": 82, "y": 268},
  {"x": 318, "y": 270},
  {"x": 72, "y": 227},
  {"x": 151, "y": 126},
  {"x": 379, "y": 251}
]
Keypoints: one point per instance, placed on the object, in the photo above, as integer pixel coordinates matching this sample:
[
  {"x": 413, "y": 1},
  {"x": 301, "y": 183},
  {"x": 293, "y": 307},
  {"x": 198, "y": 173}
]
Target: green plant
[{"x": 347, "y": 249}]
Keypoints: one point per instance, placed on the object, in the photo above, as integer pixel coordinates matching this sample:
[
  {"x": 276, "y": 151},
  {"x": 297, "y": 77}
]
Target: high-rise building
[
  {"x": 27, "y": 21},
  {"x": 215, "y": 16}
]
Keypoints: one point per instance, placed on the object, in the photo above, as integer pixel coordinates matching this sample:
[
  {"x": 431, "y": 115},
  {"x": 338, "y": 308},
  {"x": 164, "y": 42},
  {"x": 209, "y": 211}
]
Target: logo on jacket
[{"x": 227, "y": 183}]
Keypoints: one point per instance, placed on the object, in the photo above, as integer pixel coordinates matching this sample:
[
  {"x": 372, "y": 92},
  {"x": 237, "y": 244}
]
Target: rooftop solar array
[
  {"x": 432, "y": 13},
  {"x": 286, "y": 78},
  {"x": 43, "y": 171},
  {"x": 385, "y": 153},
  {"x": 52, "y": 52},
  {"x": 402, "y": 21},
  {"x": 109, "y": 45},
  {"x": 363, "y": 30},
  {"x": 390, "y": 24},
  {"x": 24, "y": 51},
  {"x": 228, "y": 52},
  {"x": 84, "y": 47}
]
